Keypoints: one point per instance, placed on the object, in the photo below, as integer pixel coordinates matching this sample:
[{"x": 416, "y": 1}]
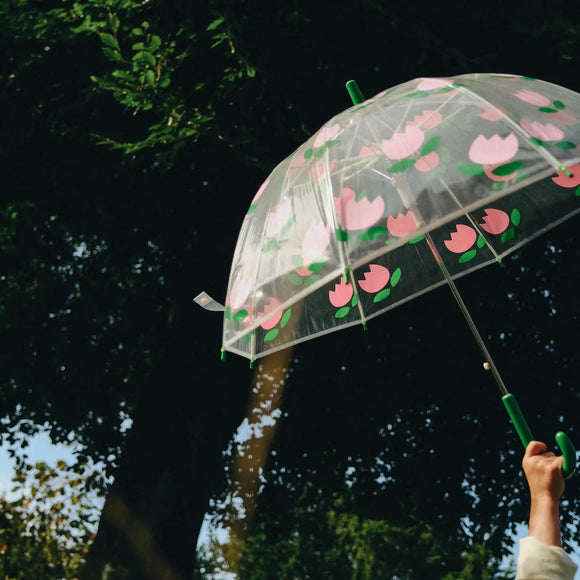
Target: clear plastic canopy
[{"x": 335, "y": 235}]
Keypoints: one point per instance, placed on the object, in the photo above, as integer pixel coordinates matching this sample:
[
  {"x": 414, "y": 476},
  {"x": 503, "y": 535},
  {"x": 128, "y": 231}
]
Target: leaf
[
  {"x": 342, "y": 312},
  {"x": 308, "y": 153},
  {"x": 145, "y": 57},
  {"x": 515, "y": 217},
  {"x": 269, "y": 245},
  {"x": 373, "y": 233},
  {"x": 565, "y": 145},
  {"x": 342, "y": 236},
  {"x": 417, "y": 95},
  {"x": 155, "y": 42},
  {"x": 295, "y": 279},
  {"x": 214, "y": 24},
  {"x": 445, "y": 90},
  {"x": 480, "y": 242},
  {"x": 537, "y": 142},
  {"x": 109, "y": 40},
  {"x": 396, "y": 277},
  {"x": 165, "y": 81},
  {"x": 271, "y": 335},
  {"x": 578, "y": 192},
  {"x": 354, "y": 300},
  {"x": 559, "y": 105},
  {"x": 285, "y": 318},
  {"x": 240, "y": 315},
  {"x": 430, "y": 146},
  {"x": 416, "y": 240},
  {"x": 297, "y": 261},
  {"x": 315, "y": 266},
  {"x": 508, "y": 168},
  {"x": 362, "y": 194},
  {"x": 382, "y": 295},
  {"x": 150, "y": 77},
  {"x": 470, "y": 169},
  {"x": 547, "y": 110},
  {"x": 508, "y": 235},
  {"x": 228, "y": 313},
  {"x": 468, "y": 256},
  {"x": 401, "y": 166}
]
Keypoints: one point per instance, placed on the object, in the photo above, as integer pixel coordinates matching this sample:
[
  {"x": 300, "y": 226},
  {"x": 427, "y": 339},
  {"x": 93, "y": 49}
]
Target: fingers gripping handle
[{"x": 521, "y": 425}]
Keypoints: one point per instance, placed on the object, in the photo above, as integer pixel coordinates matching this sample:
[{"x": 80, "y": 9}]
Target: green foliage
[{"x": 47, "y": 526}]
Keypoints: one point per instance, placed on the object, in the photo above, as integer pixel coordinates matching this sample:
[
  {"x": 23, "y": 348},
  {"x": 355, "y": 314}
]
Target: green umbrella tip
[{"x": 354, "y": 92}]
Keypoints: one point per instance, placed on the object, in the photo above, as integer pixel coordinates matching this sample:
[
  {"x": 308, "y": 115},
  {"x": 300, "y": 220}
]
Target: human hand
[{"x": 543, "y": 471}]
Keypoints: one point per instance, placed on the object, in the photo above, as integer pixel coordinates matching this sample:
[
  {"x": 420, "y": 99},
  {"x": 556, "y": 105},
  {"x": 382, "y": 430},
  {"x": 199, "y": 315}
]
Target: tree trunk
[{"x": 186, "y": 415}]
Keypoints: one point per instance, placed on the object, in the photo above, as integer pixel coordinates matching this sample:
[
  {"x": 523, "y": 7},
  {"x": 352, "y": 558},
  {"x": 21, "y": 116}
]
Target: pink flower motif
[
  {"x": 493, "y": 151},
  {"x": 297, "y": 162},
  {"x": 278, "y": 217},
  {"x": 402, "y": 225},
  {"x": 367, "y": 151},
  {"x": 492, "y": 114},
  {"x": 533, "y": 98},
  {"x": 261, "y": 191},
  {"x": 326, "y": 134},
  {"x": 426, "y": 120},
  {"x": 545, "y": 132},
  {"x": 319, "y": 169},
  {"x": 461, "y": 240},
  {"x": 315, "y": 242},
  {"x": 375, "y": 279},
  {"x": 432, "y": 84},
  {"x": 495, "y": 221},
  {"x": 341, "y": 294},
  {"x": 563, "y": 117},
  {"x": 271, "y": 321},
  {"x": 239, "y": 292},
  {"x": 427, "y": 162},
  {"x": 403, "y": 144},
  {"x": 357, "y": 215},
  {"x": 564, "y": 181}
]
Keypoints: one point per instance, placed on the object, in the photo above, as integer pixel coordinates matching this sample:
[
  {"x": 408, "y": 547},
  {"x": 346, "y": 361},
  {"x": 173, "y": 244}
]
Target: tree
[{"x": 48, "y": 525}]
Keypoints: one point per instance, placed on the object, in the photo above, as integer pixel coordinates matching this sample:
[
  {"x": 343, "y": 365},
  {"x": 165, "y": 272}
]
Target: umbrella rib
[{"x": 341, "y": 251}]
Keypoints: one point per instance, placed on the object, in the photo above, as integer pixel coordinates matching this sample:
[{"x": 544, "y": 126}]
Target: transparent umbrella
[{"x": 399, "y": 194}]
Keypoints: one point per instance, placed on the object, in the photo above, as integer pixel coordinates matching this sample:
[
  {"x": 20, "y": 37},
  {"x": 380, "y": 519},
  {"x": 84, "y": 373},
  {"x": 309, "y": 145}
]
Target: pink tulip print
[
  {"x": 495, "y": 150},
  {"x": 436, "y": 84},
  {"x": 542, "y": 131},
  {"x": 426, "y": 120},
  {"x": 492, "y": 114},
  {"x": 533, "y": 98},
  {"x": 375, "y": 279},
  {"x": 325, "y": 135},
  {"x": 239, "y": 293},
  {"x": 357, "y": 215},
  {"x": 341, "y": 294},
  {"x": 278, "y": 218},
  {"x": 403, "y": 144},
  {"x": 402, "y": 225},
  {"x": 495, "y": 221},
  {"x": 273, "y": 320},
  {"x": 315, "y": 242},
  {"x": 427, "y": 162},
  {"x": 461, "y": 240}
]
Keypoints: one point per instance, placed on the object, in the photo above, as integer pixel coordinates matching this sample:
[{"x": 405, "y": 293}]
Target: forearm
[{"x": 544, "y": 522}]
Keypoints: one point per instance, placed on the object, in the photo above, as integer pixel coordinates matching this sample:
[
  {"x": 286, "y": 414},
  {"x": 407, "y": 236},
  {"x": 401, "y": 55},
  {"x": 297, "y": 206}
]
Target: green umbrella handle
[{"x": 521, "y": 425}]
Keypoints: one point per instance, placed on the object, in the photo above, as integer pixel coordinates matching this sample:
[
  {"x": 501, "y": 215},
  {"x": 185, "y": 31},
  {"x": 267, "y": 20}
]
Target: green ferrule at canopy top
[
  {"x": 354, "y": 92},
  {"x": 252, "y": 363},
  {"x": 223, "y": 353}
]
